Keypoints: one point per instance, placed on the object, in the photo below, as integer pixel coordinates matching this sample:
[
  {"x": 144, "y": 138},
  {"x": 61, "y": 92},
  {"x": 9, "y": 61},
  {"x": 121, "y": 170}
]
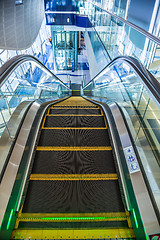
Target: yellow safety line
[
  {"x": 54, "y": 107},
  {"x": 20, "y": 212},
  {"x": 73, "y": 115},
  {"x": 105, "y": 122},
  {"x": 87, "y": 233},
  {"x": 44, "y": 121},
  {"x": 70, "y": 220},
  {"x": 75, "y": 101},
  {"x": 94, "y": 128},
  {"x": 82, "y": 103},
  {"x": 104, "y": 118},
  {"x": 19, "y": 216},
  {"x": 43, "y": 219},
  {"x": 48, "y": 110},
  {"x": 78, "y": 104},
  {"x": 128, "y": 219},
  {"x": 95, "y": 148},
  {"x": 80, "y": 107},
  {"x": 73, "y": 177},
  {"x": 74, "y": 106}
]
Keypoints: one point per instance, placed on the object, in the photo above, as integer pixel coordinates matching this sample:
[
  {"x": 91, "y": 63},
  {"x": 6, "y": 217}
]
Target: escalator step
[
  {"x": 74, "y": 111},
  {"x": 75, "y": 107},
  {"x": 105, "y": 224},
  {"x": 75, "y": 101},
  {"x": 45, "y": 196},
  {"x": 74, "y": 121},
  {"x": 70, "y": 162},
  {"x": 73, "y": 137}
]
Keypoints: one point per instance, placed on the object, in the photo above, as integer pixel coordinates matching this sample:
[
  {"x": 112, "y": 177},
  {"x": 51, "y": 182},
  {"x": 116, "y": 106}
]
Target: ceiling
[{"x": 20, "y": 24}]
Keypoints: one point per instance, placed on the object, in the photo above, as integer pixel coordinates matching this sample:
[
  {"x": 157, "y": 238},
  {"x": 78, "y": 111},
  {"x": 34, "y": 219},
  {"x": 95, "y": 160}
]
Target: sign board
[
  {"x": 155, "y": 236},
  {"x": 131, "y": 159}
]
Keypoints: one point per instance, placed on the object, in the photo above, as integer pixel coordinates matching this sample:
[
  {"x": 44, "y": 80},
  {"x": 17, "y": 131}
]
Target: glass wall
[
  {"x": 65, "y": 49},
  {"x": 120, "y": 38},
  {"x": 29, "y": 81},
  {"x": 121, "y": 84}
]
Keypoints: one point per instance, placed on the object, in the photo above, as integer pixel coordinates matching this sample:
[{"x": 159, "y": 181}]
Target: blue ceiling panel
[
  {"x": 61, "y": 5},
  {"x": 60, "y": 19}
]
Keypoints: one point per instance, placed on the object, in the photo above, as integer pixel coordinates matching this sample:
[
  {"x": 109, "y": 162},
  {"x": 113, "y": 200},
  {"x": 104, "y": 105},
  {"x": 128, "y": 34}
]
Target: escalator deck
[{"x": 73, "y": 191}]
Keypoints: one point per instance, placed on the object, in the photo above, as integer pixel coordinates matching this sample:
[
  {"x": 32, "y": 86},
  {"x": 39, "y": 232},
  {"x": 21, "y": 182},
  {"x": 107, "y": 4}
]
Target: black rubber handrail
[
  {"x": 149, "y": 80},
  {"x": 8, "y": 68}
]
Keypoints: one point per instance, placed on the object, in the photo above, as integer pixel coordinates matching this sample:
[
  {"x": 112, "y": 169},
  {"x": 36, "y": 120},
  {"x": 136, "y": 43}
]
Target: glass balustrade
[
  {"x": 121, "y": 84},
  {"x": 120, "y": 38},
  {"x": 29, "y": 81}
]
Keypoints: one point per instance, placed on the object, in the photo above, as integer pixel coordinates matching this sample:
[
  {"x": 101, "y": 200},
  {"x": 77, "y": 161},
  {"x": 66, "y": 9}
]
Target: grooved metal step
[
  {"x": 71, "y": 111},
  {"x": 73, "y": 137},
  {"x": 74, "y": 121},
  {"x": 84, "y": 225},
  {"x": 71, "y": 162},
  {"x": 46, "y": 196}
]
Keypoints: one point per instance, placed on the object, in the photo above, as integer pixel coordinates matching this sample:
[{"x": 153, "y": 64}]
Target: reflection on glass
[
  {"x": 65, "y": 49},
  {"x": 29, "y": 81},
  {"x": 119, "y": 83},
  {"x": 122, "y": 39}
]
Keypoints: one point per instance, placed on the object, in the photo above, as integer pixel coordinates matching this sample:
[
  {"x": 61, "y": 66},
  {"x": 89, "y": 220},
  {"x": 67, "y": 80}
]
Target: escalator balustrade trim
[{"x": 96, "y": 219}]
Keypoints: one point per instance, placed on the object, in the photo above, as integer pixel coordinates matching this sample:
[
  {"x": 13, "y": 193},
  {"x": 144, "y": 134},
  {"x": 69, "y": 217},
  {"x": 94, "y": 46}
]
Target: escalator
[
  {"x": 77, "y": 184},
  {"x": 74, "y": 189},
  {"x": 73, "y": 181}
]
